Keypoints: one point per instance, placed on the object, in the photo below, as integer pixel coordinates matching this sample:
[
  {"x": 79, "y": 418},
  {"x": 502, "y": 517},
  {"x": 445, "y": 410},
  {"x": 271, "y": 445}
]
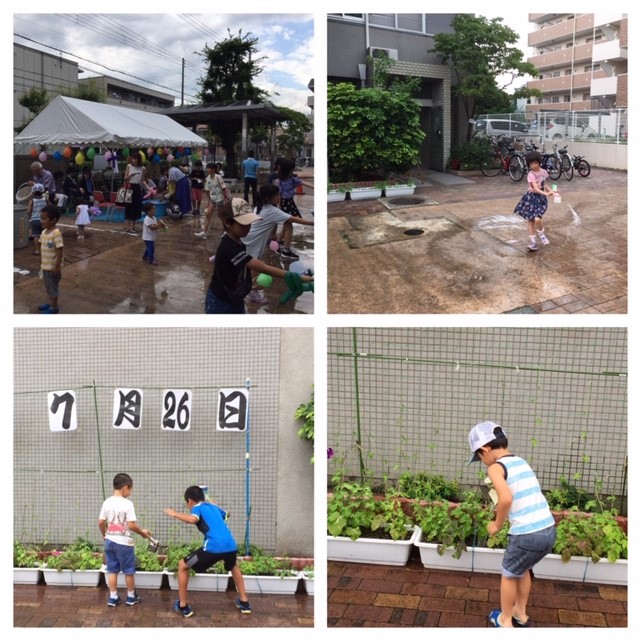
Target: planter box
[
  {"x": 26, "y": 575},
  {"x": 309, "y": 583},
  {"x": 551, "y": 567},
  {"x": 464, "y": 173},
  {"x": 372, "y": 550},
  {"x": 397, "y": 190},
  {"x": 365, "y": 193},
  {"x": 605, "y": 572},
  {"x": 276, "y": 585},
  {"x": 335, "y": 196},
  {"x": 67, "y": 578},
  {"x": 144, "y": 579},
  {"x": 431, "y": 559},
  {"x": 203, "y": 582}
]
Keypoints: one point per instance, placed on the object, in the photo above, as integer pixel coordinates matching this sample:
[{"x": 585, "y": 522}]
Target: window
[
  {"x": 410, "y": 21},
  {"x": 567, "y": 98},
  {"x": 555, "y": 74},
  {"x": 383, "y": 19},
  {"x": 567, "y": 72},
  {"x": 555, "y": 99}
]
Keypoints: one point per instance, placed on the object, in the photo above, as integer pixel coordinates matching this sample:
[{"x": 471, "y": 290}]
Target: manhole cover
[
  {"x": 406, "y": 201},
  {"x": 413, "y": 232}
]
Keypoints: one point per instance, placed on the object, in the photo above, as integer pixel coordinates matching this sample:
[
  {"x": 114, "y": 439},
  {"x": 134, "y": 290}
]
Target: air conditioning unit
[{"x": 379, "y": 52}]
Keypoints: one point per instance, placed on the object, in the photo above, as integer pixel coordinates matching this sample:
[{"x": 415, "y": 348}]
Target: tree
[
  {"x": 371, "y": 130},
  {"x": 295, "y": 127},
  {"x": 232, "y": 67},
  {"x": 479, "y": 50},
  {"x": 35, "y": 100}
]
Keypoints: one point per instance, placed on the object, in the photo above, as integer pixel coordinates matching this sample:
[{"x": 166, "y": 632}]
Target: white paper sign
[
  {"x": 233, "y": 407},
  {"x": 62, "y": 411},
  {"x": 176, "y": 410},
  {"x": 127, "y": 408}
]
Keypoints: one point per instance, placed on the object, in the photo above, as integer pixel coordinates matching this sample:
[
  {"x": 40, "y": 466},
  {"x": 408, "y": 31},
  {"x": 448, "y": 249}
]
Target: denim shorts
[
  {"x": 119, "y": 557},
  {"x": 213, "y": 304},
  {"x": 524, "y": 551},
  {"x": 52, "y": 282}
]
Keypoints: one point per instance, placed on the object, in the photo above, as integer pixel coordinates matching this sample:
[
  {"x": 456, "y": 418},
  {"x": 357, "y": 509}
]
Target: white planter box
[
  {"x": 371, "y": 550},
  {"x": 605, "y": 572},
  {"x": 552, "y": 567},
  {"x": 335, "y": 196},
  {"x": 67, "y": 578},
  {"x": 26, "y": 575},
  {"x": 431, "y": 559},
  {"x": 276, "y": 585},
  {"x": 143, "y": 579},
  {"x": 308, "y": 583},
  {"x": 203, "y": 582},
  {"x": 365, "y": 193},
  {"x": 399, "y": 190},
  {"x": 485, "y": 560}
]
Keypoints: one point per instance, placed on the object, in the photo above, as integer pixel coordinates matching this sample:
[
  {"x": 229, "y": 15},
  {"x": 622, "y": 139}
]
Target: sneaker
[
  {"x": 114, "y": 602},
  {"x": 44, "y": 307},
  {"x": 257, "y": 296},
  {"x": 494, "y": 617},
  {"x": 518, "y": 623},
  {"x": 532, "y": 246},
  {"x": 244, "y": 607},
  {"x": 186, "y": 611},
  {"x": 543, "y": 237},
  {"x": 201, "y": 234},
  {"x": 134, "y": 599},
  {"x": 287, "y": 253}
]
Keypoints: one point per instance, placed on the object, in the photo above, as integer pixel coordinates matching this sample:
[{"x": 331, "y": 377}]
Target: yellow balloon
[
  {"x": 79, "y": 158},
  {"x": 142, "y": 156}
]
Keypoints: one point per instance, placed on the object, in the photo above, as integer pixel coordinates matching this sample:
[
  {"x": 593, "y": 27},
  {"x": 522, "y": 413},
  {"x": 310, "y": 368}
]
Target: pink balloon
[
  {"x": 273, "y": 245},
  {"x": 43, "y": 156},
  {"x": 107, "y": 156},
  {"x": 169, "y": 158}
]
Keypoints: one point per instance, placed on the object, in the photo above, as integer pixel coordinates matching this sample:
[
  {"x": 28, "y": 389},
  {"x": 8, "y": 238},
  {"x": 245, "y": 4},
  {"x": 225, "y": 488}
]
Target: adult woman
[
  {"x": 134, "y": 178},
  {"x": 180, "y": 177}
]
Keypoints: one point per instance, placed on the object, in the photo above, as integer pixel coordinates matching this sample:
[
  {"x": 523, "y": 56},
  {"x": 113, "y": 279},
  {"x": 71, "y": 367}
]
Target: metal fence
[
  {"x": 90, "y": 403},
  {"x": 404, "y": 399},
  {"x": 598, "y": 125}
]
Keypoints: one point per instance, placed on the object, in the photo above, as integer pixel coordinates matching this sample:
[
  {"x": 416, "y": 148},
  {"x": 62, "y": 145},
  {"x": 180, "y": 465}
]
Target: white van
[{"x": 495, "y": 127}]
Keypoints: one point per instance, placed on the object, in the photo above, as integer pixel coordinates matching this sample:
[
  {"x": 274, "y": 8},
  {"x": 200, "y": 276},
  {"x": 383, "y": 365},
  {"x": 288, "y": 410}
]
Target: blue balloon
[
  {"x": 57, "y": 156},
  {"x": 301, "y": 268},
  {"x": 187, "y": 151},
  {"x": 155, "y": 159}
]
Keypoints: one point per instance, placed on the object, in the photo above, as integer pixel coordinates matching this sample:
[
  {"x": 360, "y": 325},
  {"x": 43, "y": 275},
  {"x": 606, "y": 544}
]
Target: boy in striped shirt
[{"x": 531, "y": 526}]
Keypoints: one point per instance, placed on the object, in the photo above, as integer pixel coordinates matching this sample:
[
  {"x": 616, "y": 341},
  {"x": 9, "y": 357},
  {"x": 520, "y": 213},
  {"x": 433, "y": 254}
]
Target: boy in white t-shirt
[
  {"x": 117, "y": 522},
  {"x": 270, "y": 216},
  {"x": 150, "y": 228}
]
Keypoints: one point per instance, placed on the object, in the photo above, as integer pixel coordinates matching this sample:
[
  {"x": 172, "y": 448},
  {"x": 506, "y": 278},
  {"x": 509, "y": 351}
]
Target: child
[
  {"x": 231, "y": 280},
  {"x": 35, "y": 206},
  {"x": 532, "y": 530},
  {"x": 219, "y": 544},
  {"x": 534, "y": 203},
  {"x": 288, "y": 183},
  {"x": 150, "y": 228},
  {"x": 82, "y": 217},
  {"x": 51, "y": 249},
  {"x": 197, "y": 177},
  {"x": 218, "y": 194},
  {"x": 117, "y": 521},
  {"x": 270, "y": 217}
]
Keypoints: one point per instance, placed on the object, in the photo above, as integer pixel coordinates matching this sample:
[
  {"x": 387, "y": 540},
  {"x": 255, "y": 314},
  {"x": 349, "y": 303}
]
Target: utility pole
[{"x": 182, "y": 87}]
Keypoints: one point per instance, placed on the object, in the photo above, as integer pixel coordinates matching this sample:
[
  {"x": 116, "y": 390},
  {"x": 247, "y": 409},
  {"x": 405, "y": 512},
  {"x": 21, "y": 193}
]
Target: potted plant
[
  {"x": 398, "y": 189},
  {"x": 214, "y": 579},
  {"x": 75, "y": 566},
  {"x": 308, "y": 579},
  {"x": 363, "y": 529},
  {"x": 589, "y": 548},
  {"x": 149, "y": 568},
  {"x": 26, "y": 564},
  {"x": 336, "y": 192},
  {"x": 362, "y": 191},
  {"x": 267, "y": 574}
]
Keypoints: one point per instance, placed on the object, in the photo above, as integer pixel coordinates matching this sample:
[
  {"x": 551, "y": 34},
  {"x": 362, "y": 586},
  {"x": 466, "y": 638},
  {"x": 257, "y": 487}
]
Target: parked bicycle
[
  {"x": 577, "y": 162},
  {"x": 498, "y": 158},
  {"x": 518, "y": 163}
]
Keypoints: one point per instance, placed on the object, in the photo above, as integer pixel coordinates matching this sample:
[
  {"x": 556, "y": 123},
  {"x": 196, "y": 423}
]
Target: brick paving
[
  {"x": 367, "y": 595},
  {"x": 47, "y": 606},
  {"x": 472, "y": 244}
]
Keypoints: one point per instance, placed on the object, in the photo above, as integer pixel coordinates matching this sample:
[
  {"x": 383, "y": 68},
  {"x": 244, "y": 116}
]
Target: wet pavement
[
  {"x": 466, "y": 251},
  {"x": 105, "y": 273}
]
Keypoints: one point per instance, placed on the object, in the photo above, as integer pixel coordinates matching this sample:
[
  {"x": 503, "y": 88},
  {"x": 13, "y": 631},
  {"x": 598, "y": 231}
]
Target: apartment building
[
  {"x": 354, "y": 38},
  {"x": 581, "y": 59}
]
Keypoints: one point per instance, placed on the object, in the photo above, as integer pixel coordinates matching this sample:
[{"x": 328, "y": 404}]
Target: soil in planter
[{"x": 382, "y": 534}]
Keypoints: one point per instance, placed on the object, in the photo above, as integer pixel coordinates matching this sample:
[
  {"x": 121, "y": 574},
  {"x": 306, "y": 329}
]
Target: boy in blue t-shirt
[{"x": 218, "y": 544}]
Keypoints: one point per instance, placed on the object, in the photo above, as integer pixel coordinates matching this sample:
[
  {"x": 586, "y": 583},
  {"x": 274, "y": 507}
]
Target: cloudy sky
[{"x": 148, "y": 49}]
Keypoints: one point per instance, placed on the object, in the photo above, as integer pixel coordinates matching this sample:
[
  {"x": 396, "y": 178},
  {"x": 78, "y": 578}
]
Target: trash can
[{"x": 20, "y": 226}]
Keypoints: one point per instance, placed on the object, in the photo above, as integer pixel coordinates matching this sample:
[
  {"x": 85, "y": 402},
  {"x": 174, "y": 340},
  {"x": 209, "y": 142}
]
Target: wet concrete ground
[
  {"x": 469, "y": 252},
  {"x": 105, "y": 272}
]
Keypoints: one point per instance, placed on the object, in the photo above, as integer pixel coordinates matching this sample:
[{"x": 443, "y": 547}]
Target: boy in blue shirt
[
  {"x": 219, "y": 544},
  {"x": 532, "y": 530},
  {"x": 250, "y": 170}
]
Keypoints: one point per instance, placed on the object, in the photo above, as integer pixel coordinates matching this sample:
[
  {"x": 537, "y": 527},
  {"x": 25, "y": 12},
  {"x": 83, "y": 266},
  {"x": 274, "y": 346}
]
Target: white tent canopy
[{"x": 79, "y": 122}]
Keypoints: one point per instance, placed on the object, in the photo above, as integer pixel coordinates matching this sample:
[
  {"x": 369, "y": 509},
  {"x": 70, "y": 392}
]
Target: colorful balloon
[
  {"x": 169, "y": 158},
  {"x": 33, "y": 152},
  {"x": 67, "y": 152},
  {"x": 57, "y": 156},
  {"x": 143, "y": 157},
  {"x": 79, "y": 158},
  {"x": 91, "y": 153},
  {"x": 108, "y": 155},
  {"x": 264, "y": 280},
  {"x": 43, "y": 156}
]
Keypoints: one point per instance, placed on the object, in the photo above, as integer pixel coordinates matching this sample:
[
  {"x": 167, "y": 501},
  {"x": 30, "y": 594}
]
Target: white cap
[{"x": 483, "y": 433}]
